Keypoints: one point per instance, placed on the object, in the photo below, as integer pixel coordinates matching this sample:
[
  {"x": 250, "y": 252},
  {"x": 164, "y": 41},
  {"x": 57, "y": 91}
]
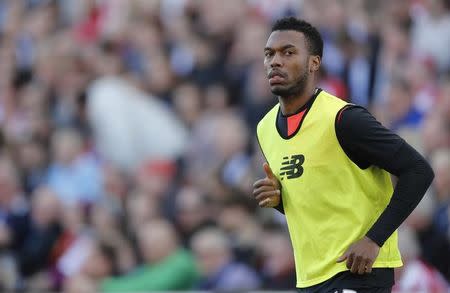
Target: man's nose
[{"x": 276, "y": 61}]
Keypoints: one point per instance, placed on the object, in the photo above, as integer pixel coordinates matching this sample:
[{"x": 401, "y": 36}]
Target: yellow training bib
[{"x": 329, "y": 202}]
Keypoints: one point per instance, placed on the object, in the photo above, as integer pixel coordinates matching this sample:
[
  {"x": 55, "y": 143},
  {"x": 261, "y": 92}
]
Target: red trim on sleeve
[{"x": 340, "y": 114}]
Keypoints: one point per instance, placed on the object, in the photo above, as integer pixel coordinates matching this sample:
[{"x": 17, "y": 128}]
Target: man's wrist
[{"x": 372, "y": 240}]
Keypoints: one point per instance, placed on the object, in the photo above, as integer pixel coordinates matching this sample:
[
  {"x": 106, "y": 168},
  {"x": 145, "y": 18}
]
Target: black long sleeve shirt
[{"x": 366, "y": 142}]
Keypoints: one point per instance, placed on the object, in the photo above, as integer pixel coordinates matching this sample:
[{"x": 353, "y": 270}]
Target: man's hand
[
  {"x": 267, "y": 190},
  {"x": 360, "y": 256}
]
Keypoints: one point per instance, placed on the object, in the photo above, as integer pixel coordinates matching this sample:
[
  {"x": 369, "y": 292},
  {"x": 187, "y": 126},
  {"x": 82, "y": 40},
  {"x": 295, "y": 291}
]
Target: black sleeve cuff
[{"x": 280, "y": 207}]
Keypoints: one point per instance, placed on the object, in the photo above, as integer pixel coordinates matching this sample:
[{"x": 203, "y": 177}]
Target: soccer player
[{"x": 327, "y": 170}]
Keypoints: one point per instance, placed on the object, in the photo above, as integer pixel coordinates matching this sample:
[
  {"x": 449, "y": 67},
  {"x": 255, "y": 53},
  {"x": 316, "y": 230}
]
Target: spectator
[
  {"x": 214, "y": 139},
  {"x": 74, "y": 175},
  {"x": 440, "y": 162},
  {"x": 237, "y": 173},
  {"x": 100, "y": 263},
  {"x": 166, "y": 265},
  {"x": 402, "y": 112},
  {"x": 117, "y": 111},
  {"x": 33, "y": 163},
  {"x": 416, "y": 275},
  {"x": 236, "y": 218},
  {"x": 140, "y": 209},
  {"x": 187, "y": 100},
  {"x": 432, "y": 31},
  {"x": 434, "y": 246},
  {"x": 107, "y": 228},
  {"x": 72, "y": 247},
  {"x": 216, "y": 98},
  {"x": 43, "y": 232},
  {"x": 191, "y": 213},
  {"x": 218, "y": 268},
  {"x": 114, "y": 187},
  {"x": 435, "y": 134},
  {"x": 278, "y": 264},
  {"x": 14, "y": 208}
]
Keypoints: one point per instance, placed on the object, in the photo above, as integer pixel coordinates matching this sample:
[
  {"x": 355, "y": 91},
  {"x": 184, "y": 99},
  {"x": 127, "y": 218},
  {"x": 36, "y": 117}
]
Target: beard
[{"x": 293, "y": 89}]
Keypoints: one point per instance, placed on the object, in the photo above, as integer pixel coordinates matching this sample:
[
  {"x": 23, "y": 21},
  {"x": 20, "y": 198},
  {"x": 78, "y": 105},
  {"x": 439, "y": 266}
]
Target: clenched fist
[{"x": 267, "y": 191}]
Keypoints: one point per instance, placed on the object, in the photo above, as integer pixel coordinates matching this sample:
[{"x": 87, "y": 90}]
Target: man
[
  {"x": 219, "y": 270},
  {"x": 167, "y": 266},
  {"x": 327, "y": 170},
  {"x": 14, "y": 208}
]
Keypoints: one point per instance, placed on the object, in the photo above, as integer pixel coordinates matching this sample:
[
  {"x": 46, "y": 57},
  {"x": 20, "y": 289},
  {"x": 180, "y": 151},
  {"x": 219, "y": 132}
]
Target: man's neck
[{"x": 290, "y": 105}]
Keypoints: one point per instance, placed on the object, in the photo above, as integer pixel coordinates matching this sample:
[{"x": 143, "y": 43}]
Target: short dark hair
[{"x": 312, "y": 35}]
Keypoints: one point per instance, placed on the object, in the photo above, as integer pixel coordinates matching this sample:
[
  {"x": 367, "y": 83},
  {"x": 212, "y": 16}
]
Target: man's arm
[
  {"x": 366, "y": 142},
  {"x": 414, "y": 177}
]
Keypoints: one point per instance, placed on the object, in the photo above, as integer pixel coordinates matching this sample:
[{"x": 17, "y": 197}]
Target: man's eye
[
  {"x": 268, "y": 54},
  {"x": 288, "y": 53}
]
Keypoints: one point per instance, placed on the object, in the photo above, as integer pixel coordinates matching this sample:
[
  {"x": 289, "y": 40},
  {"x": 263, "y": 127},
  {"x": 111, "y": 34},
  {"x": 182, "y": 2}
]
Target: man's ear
[{"x": 314, "y": 63}]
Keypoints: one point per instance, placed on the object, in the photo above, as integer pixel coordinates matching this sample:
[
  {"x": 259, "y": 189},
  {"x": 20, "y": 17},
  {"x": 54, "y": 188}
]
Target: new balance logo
[{"x": 292, "y": 167}]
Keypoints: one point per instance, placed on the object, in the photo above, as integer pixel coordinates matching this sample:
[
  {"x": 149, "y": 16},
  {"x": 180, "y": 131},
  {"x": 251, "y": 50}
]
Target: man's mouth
[{"x": 276, "y": 78}]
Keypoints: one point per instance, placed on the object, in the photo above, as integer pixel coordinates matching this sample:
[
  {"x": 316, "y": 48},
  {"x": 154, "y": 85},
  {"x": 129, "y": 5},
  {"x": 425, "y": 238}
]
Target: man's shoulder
[{"x": 332, "y": 99}]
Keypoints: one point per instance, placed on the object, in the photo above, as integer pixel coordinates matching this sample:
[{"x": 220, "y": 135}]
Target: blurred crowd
[{"x": 127, "y": 146}]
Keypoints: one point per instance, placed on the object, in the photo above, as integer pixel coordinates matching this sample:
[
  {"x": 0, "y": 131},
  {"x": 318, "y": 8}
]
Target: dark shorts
[
  {"x": 363, "y": 290},
  {"x": 379, "y": 281}
]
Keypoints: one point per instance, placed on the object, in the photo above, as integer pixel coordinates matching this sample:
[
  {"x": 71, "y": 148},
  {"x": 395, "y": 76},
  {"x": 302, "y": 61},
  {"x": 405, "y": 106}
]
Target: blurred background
[{"x": 127, "y": 146}]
